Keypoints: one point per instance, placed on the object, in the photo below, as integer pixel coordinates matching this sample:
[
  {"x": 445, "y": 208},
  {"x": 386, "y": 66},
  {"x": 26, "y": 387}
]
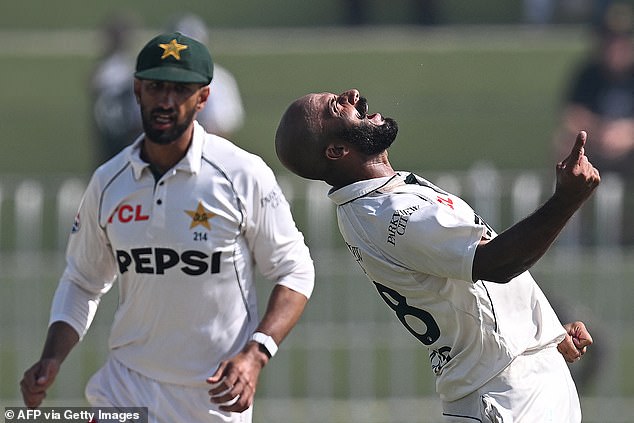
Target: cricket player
[
  {"x": 463, "y": 291},
  {"x": 182, "y": 219}
]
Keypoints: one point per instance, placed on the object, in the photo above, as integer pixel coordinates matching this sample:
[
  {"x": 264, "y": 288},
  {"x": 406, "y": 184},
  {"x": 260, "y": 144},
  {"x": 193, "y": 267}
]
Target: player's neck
[
  {"x": 377, "y": 167},
  {"x": 163, "y": 157}
]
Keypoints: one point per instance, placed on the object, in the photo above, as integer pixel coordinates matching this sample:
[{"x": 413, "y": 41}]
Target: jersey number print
[{"x": 403, "y": 311}]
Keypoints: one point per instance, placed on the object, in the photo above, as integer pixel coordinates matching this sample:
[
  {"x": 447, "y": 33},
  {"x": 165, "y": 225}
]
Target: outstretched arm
[
  {"x": 38, "y": 378},
  {"x": 236, "y": 379},
  {"x": 518, "y": 248}
]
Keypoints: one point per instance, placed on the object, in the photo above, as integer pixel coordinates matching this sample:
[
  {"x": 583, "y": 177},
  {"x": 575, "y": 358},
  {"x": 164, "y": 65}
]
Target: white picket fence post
[
  {"x": 526, "y": 195},
  {"x": 0, "y": 214},
  {"x": 29, "y": 204},
  {"x": 609, "y": 209},
  {"x": 484, "y": 182},
  {"x": 68, "y": 198}
]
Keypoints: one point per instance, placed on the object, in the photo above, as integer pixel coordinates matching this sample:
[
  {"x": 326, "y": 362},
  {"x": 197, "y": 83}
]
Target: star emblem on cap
[
  {"x": 172, "y": 49},
  {"x": 200, "y": 216}
]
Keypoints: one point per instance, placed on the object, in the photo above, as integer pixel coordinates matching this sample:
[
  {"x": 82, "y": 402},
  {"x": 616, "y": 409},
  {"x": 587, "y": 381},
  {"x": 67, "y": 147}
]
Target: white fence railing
[
  {"x": 36, "y": 214},
  {"x": 348, "y": 359}
]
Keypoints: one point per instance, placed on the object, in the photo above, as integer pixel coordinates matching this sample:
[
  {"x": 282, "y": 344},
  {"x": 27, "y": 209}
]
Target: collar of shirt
[
  {"x": 361, "y": 188},
  {"x": 190, "y": 163}
]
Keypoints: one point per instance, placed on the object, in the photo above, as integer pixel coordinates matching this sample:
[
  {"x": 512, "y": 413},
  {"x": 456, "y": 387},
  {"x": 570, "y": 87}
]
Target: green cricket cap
[{"x": 175, "y": 57}]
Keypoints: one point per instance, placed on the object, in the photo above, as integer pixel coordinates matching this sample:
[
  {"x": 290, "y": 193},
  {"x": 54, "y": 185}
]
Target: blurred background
[{"x": 487, "y": 95}]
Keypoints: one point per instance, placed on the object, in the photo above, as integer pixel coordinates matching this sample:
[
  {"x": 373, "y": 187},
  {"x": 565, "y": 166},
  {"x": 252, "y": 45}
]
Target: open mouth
[
  {"x": 163, "y": 118},
  {"x": 362, "y": 107}
]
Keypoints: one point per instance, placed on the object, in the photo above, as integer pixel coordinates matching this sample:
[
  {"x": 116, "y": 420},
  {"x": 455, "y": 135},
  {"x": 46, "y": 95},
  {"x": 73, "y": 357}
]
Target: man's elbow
[{"x": 490, "y": 265}]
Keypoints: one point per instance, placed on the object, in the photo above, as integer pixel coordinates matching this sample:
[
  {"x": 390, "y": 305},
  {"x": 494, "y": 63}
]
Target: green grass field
[{"x": 458, "y": 98}]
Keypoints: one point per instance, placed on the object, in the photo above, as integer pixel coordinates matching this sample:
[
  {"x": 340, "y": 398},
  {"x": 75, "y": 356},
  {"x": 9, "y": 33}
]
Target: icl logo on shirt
[{"x": 126, "y": 213}]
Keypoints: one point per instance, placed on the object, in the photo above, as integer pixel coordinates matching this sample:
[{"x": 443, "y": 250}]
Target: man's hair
[{"x": 296, "y": 133}]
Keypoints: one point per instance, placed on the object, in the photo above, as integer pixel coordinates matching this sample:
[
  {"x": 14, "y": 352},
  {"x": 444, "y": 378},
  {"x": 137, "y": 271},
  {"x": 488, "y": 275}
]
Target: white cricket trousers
[
  {"x": 535, "y": 387},
  {"x": 115, "y": 385}
]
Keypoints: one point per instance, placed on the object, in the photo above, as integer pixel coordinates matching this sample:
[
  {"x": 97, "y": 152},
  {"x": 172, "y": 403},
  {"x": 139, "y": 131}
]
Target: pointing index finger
[{"x": 578, "y": 148}]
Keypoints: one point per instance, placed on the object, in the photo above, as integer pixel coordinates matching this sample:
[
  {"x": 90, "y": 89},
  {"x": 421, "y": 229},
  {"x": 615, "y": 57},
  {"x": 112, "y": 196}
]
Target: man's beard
[
  {"x": 161, "y": 136},
  {"x": 371, "y": 139}
]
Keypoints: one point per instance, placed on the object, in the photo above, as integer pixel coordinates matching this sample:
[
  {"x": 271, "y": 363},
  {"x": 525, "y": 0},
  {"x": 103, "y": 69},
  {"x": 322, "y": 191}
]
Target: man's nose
[
  {"x": 167, "y": 98},
  {"x": 351, "y": 96}
]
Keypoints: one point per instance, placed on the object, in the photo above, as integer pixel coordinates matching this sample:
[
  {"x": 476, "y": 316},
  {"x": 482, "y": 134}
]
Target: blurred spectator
[
  {"x": 356, "y": 13},
  {"x": 599, "y": 10},
  {"x": 424, "y": 12},
  {"x": 224, "y": 112},
  {"x": 600, "y": 100},
  {"x": 542, "y": 12},
  {"x": 115, "y": 114},
  {"x": 538, "y": 12}
]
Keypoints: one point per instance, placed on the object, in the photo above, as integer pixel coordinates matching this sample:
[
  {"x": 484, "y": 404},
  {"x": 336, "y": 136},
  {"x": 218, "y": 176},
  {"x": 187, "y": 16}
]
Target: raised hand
[{"x": 577, "y": 178}]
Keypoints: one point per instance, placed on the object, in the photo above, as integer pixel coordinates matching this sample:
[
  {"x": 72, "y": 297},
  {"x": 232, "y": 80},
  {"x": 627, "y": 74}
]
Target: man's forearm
[
  {"x": 60, "y": 340},
  {"x": 515, "y": 250},
  {"x": 518, "y": 248},
  {"x": 284, "y": 309}
]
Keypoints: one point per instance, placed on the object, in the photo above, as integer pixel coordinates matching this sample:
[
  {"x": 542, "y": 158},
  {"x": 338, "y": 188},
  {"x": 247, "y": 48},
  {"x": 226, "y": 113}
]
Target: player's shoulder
[
  {"x": 404, "y": 196},
  {"x": 106, "y": 174},
  {"x": 379, "y": 210},
  {"x": 114, "y": 166},
  {"x": 415, "y": 200}
]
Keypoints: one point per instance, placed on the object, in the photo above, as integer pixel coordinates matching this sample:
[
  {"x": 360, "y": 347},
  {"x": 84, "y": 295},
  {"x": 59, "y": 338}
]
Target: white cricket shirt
[
  {"x": 183, "y": 249},
  {"x": 416, "y": 243}
]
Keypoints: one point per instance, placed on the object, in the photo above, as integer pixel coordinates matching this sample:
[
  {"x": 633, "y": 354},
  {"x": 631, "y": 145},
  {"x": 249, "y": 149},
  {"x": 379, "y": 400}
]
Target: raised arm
[{"x": 518, "y": 248}]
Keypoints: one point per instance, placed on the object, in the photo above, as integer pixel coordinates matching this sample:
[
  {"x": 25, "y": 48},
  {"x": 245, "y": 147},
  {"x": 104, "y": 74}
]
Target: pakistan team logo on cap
[{"x": 172, "y": 49}]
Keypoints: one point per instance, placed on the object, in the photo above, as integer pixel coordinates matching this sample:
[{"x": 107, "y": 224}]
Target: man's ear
[
  {"x": 203, "y": 96},
  {"x": 336, "y": 151},
  {"x": 137, "y": 90}
]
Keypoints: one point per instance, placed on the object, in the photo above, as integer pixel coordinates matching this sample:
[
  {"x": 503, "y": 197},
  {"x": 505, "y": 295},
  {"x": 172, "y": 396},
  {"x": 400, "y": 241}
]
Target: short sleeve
[{"x": 440, "y": 241}]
